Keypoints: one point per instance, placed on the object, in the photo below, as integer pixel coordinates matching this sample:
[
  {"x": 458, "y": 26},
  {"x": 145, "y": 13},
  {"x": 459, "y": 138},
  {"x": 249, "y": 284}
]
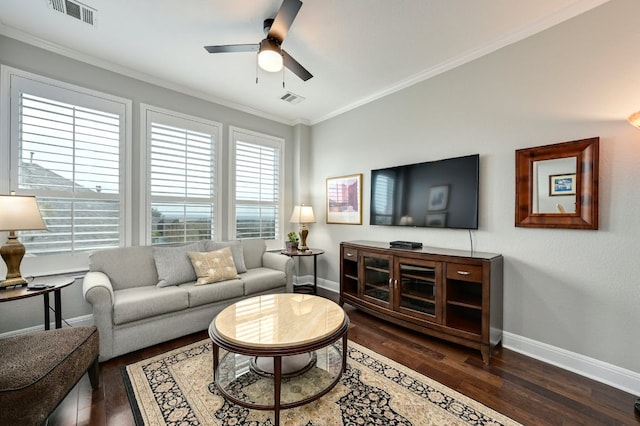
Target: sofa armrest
[
  {"x": 280, "y": 262},
  {"x": 98, "y": 291}
]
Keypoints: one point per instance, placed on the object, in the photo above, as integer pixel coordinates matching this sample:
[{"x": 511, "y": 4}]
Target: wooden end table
[
  {"x": 306, "y": 288},
  {"x": 56, "y": 284},
  {"x": 279, "y": 336}
]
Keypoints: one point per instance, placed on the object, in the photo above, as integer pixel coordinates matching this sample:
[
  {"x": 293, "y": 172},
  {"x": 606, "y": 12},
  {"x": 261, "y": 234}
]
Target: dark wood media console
[{"x": 449, "y": 294}]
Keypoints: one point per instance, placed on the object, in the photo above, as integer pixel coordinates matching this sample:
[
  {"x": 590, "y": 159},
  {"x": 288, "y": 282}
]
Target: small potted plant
[{"x": 292, "y": 244}]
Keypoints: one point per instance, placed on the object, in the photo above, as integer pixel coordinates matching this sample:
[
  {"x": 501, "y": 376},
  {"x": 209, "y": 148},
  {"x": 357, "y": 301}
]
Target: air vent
[
  {"x": 76, "y": 10},
  {"x": 292, "y": 98}
]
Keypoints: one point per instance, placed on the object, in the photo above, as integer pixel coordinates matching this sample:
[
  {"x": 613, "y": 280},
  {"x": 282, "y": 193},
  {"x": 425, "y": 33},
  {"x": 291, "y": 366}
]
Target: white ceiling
[{"x": 357, "y": 50}]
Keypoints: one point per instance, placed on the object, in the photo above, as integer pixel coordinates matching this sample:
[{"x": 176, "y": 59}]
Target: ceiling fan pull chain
[{"x": 283, "y": 77}]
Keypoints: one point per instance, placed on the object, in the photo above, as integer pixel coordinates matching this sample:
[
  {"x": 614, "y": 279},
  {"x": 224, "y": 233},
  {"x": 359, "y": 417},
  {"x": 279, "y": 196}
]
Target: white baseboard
[
  {"x": 609, "y": 374},
  {"x": 73, "y": 322},
  {"x": 600, "y": 371}
]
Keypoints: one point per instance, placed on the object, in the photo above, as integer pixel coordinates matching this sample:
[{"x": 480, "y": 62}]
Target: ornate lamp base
[{"x": 12, "y": 253}]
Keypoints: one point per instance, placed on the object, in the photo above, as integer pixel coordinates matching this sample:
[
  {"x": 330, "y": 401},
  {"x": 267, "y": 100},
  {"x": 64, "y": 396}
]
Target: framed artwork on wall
[
  {"x": 562, "y": 184},
  {"x": 438, "y": 197},
  {"x": 344, "y": 200}
]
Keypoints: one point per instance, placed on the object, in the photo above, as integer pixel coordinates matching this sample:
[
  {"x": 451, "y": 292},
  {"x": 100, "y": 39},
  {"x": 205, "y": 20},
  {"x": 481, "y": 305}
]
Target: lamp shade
[
  {"x": 20, "y": 213},
  {"x": 634, "y": 119},
  {"x": 302, "y": 214},
  {"x": 270, "y": 56}
]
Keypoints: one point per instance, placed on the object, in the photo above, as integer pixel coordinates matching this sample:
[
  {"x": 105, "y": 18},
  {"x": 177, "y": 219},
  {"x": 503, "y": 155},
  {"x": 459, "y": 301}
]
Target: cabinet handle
[{"x": 463, "y": 272}]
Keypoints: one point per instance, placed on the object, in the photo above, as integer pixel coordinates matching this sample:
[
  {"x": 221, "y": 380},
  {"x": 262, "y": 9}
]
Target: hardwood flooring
[{"x": 528, "y": 391}]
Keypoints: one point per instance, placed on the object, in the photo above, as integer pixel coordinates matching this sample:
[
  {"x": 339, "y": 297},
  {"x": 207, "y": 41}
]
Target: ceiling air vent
[
  {"x": 292, "y": 98},
  {"x": 75, "y": 9}
]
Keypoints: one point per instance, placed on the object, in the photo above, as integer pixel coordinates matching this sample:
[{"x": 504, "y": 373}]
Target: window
[
  {"x": 182, "y": 155},
  {"x": 383, "y": 199},
  {"x": 256, "y": 164},
  {"x": 68, "y": 148}
]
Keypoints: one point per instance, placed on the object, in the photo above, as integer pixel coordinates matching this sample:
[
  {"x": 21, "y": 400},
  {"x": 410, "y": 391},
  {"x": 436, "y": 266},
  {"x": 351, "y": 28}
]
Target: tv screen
[{"x": 437, "y": 194}]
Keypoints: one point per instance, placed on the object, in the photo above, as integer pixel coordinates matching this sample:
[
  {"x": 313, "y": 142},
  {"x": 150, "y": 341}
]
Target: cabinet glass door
[
  {"x": 376, "y": 277},
  {"x": 418, "y": 288}
]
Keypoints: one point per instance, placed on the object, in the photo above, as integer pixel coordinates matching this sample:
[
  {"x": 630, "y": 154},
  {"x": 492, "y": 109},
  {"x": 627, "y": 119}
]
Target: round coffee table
[{"x": 283, "y": 350}]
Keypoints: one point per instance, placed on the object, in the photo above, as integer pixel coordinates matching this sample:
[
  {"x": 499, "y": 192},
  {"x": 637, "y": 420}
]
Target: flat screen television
[{"x": 436, "y": 194}]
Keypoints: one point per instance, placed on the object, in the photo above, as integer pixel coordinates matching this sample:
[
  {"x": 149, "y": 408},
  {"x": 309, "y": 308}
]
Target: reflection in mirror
[{"x": 554, "y": 186}]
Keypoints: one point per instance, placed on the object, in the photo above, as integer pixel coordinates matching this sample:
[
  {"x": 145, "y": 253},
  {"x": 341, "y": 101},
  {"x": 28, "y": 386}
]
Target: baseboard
[
  {"x": 72, "y": 322},
  {"x": 609, "y": 374},
  {"x": 600, "y": 371}
]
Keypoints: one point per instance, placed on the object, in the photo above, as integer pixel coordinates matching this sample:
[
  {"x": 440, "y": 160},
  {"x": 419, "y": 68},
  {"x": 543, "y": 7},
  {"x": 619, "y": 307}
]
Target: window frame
[
  {"x": 265, "y": 140},
  {"x": 178, "y": 119},
  {"x": 13, "y": 79}
]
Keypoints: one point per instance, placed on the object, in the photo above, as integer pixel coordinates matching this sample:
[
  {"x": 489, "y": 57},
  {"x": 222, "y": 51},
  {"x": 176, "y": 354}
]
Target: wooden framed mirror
[{"x": 557, "y": 185}]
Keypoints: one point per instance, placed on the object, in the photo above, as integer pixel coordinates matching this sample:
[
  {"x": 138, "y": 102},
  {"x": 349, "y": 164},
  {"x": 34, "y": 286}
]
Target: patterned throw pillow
[{"x": 213, "y": 266}]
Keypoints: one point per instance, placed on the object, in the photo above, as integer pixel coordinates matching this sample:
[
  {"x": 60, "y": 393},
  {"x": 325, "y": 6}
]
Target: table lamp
[
  {"x": 17, "y": 213},
  {"x": 303, "y": 215}
]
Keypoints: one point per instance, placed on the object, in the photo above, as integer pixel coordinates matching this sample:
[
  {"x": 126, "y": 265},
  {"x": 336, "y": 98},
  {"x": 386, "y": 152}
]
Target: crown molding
[
  {"x": 128, "y": 72},
  {"x": 571, "y": 11}
]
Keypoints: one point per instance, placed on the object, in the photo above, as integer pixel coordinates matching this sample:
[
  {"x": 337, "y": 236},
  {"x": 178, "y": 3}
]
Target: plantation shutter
[
  {"x": 257, "y": 188},
  {"x": 182, "y": 179},
  {"x": 69, "y": 157}
]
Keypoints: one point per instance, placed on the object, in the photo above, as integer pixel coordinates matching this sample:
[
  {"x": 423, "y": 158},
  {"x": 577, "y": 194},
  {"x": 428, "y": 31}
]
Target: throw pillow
[
  {"x": 173, "y": 264},
  {"x": 213, "y": 266},
  {"x": 236, "y": 251}
]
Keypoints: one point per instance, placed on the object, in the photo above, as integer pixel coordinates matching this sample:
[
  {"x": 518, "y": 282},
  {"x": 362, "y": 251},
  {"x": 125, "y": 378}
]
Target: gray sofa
[{"x": 146, "y": 295}]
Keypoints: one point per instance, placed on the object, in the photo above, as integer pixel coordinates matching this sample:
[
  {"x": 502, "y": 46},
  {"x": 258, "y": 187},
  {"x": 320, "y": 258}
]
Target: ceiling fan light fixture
[{"x": 270, "y": 56}]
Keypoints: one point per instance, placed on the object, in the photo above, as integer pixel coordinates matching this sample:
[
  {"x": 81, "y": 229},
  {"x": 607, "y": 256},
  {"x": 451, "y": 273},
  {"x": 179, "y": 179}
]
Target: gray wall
[
  {"x": 573, "y": 290},
  {"x": 29, "y": 312}
]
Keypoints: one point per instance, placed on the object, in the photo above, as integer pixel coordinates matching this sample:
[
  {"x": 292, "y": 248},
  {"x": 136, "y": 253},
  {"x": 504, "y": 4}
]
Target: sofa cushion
[
  {"x": 236, "y": 250},
  {"x": 144, "y": 302},
  {"x": 204, "y": 294},
  {"x": 126, "y": 267},
  {"x": 173, "y": 264},
  {"x": 253, "y": 251},
  {"x": 261, "y": 279},
  {"x": 213, "y": 266}
]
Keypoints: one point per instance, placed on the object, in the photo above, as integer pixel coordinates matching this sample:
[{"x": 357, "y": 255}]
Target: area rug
[{"x": 175, "y": 388}]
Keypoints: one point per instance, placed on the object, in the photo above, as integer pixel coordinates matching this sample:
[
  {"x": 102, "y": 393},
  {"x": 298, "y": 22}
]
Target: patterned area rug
[{"x": 175, "y": 389}]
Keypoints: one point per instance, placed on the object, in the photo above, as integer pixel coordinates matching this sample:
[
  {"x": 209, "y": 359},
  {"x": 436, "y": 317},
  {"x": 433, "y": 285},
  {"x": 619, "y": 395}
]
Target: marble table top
[{"x": 278, "y": 320}]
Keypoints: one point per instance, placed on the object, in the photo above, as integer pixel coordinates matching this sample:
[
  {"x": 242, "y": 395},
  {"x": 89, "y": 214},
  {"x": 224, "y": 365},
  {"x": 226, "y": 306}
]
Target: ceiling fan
[{"x": 271, "y": 57}]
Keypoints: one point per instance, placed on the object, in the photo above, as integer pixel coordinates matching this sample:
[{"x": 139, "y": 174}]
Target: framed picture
[
  {"x": 562, "y": 184},
  {"x": 436, "y": 220},
  {"x": 344, "y": 200},
  {"x": 438, "y": 197}
]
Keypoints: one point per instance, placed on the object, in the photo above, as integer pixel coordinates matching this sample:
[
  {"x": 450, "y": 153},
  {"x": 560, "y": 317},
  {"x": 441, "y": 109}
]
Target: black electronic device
[
  {"x": 405, "y": 244},
  {"x": 435, "y": 194},
  {"x": 38, "y": 286}
]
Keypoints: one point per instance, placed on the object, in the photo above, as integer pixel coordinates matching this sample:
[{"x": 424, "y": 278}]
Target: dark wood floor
[{"x": 529, "y": 391}]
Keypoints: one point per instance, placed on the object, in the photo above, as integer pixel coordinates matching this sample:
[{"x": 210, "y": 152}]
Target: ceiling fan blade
[
  {"x": 295, "y": 67},
  {"x": 284, "y": 18},
  {"x": 232, "y": 48}
]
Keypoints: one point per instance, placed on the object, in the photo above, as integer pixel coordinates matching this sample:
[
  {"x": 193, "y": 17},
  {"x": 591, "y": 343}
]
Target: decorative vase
[{"x": 292, "y": 246}]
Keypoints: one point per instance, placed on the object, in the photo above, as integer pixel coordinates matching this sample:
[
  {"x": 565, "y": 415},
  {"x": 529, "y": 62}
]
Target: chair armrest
[{"x": 280, "y": 262}]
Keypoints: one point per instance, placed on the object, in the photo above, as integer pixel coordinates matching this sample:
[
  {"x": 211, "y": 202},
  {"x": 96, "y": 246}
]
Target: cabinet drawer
[
  {"x": 458, "y": 271},
  {"x": 351, "y": 254}
]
